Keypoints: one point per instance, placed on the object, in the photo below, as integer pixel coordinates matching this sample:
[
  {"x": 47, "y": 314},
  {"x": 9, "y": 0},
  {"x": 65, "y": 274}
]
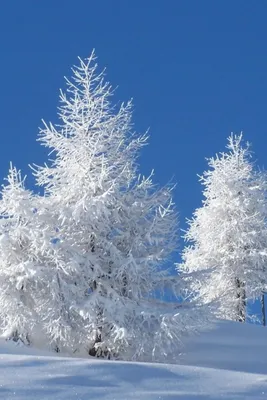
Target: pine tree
[
  {"x": 227, "y": 254},
  {"x": 19, "y": 247},
  {"x": 101, "y": 236},
  {"x": 32, "y": 309}
]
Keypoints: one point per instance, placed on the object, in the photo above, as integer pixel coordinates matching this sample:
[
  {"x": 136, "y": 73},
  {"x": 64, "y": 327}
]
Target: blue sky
[{"x": 196, "y": 70}]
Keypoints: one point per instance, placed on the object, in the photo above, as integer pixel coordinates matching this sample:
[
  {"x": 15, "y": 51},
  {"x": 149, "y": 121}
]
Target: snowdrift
[{"x": 228, "y": 362}]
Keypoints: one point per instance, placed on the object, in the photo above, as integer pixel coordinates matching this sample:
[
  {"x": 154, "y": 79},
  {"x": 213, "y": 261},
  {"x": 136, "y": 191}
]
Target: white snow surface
[{"x": 228, "y": 362}]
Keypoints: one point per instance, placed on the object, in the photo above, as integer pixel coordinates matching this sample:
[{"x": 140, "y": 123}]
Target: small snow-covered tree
[
  {"x": 32, "y": 309},
  {"x": 227, "y": 256},
  {"x": 16, "y": 210}
]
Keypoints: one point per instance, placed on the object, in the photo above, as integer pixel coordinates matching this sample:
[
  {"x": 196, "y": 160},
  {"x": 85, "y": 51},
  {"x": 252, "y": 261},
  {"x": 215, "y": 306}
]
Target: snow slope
[{"x": 228, "y": 362}]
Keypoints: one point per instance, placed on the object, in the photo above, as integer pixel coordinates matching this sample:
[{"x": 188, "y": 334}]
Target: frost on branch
[
  {"x": 227, "y": 256},
  {"x": 18, "y": 266},
  {"x": 30, "y": 295},
  {"x": 99, "y": 239}
]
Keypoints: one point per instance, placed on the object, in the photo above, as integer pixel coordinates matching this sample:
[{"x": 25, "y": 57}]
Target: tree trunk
[
  {"x": 98, "y": 338},
  {"x": 93, "y": 351},
  {"x": 263, "y": 309},
  {"x": 241, "y": 300}
]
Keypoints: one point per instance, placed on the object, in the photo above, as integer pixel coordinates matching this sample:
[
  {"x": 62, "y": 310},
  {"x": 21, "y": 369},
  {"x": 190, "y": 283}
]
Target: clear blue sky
[{"x": 196, "y": 70}]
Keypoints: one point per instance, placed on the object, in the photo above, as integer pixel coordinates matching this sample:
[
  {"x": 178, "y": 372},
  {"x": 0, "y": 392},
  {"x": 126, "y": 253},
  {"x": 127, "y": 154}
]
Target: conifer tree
[
  {"x": 227, "y": 253},
  {"x": 100, "y": 237}
]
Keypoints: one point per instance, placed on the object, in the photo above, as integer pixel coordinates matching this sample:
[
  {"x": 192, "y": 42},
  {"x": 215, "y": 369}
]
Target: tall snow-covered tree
[
  {"x": 227, "y": 254},
  {"x": 100, "y": 237}
]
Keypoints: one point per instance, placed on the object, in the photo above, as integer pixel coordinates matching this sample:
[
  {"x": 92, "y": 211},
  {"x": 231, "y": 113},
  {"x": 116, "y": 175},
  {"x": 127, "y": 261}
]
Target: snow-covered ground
[{"x": 228, "y": 362}]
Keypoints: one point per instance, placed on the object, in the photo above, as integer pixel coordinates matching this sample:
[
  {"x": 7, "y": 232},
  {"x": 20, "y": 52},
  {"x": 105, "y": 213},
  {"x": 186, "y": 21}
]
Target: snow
[
  {"x": 228, "y": 362},
  {"x": 81, "y": 262},
  {"x": 226, "y": 252}
]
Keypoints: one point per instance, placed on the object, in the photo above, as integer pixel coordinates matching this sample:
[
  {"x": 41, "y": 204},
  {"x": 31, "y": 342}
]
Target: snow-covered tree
[
  {"x": 23, "y": 283},
  {"x": 96, "y": 246},
  {"x": 16, "y": 270},
  {"x": 227, "y": 254},
  {"x": 30, "y": 297}
]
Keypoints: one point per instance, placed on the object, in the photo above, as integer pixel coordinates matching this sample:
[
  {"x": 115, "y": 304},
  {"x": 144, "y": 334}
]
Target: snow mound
[
  {"x": 228, "y": 362},
  {"x": 229, "y": 345}
]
